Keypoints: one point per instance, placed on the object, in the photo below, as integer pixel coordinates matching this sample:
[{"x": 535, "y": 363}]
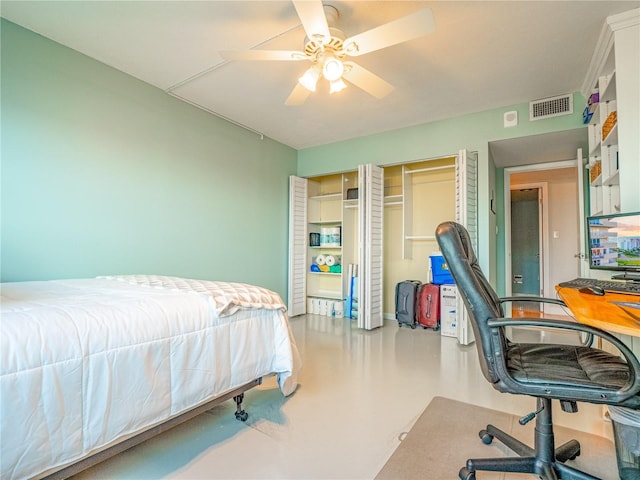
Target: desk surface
[{"x": 600, "y": 312}]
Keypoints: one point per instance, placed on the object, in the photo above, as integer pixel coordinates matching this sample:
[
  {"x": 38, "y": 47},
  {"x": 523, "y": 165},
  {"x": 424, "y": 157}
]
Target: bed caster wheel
[
  {"x": 242, "y": 416},
  {"x": 466, "y": 474},
  {"x": 486, "y": 437},
  {"x": 575, "y": 456}
]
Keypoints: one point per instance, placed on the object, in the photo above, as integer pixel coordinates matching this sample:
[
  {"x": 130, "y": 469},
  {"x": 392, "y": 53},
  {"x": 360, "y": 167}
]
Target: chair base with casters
[{"x": 545, "y": 460}]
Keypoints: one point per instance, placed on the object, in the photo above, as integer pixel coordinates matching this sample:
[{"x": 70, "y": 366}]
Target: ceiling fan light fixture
[
  {"x": 310, "y": 79},
  {"x": 332, "y": 69},
  {"x": 337, "y": 86}
]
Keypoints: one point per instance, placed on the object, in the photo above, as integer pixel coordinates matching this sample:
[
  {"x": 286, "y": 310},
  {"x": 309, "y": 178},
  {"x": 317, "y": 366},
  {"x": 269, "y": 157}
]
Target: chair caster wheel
[
  {"x": 466, "y": 474},
  {"x": 242, "y": 416},
  {"x": 486, "y": 437}
]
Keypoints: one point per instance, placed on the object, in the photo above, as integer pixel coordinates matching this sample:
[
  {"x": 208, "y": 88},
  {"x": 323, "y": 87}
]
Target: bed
[{"x": 89, "y": 367}]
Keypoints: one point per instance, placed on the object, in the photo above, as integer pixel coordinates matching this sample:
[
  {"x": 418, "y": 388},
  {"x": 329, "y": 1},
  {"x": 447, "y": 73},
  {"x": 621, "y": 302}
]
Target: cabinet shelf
[
  {"x": 420, "y": 237},
  {"x": 614, "y": 179},
  {"x": 609, "y": 92},
  {"x": 429, "y": 169},
  {"x": 325, "y": 222},
  {"x": 327, "y": 196},
  {"x": 612, "y": 138},
  {"x": 393, "y": 200},
  {"x": 331, "y": 294}
]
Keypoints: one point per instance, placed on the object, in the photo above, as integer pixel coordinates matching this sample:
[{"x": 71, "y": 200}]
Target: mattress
[{"x": 84, "y": 363}]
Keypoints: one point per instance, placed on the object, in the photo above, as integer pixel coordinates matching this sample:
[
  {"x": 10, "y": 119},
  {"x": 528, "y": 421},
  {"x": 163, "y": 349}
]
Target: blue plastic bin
[{"x": 440, "y": 273}]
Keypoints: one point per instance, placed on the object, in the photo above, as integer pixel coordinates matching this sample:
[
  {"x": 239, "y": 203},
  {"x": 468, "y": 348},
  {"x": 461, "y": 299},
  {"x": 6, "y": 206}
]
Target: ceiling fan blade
[
  {"x": 313, "y": 20},
  {"x": 367, "y": 81},
  {"x": 398, "y": 31},
  {"x": 298, "y": 95},
  {"x": 284, "y": 55}
]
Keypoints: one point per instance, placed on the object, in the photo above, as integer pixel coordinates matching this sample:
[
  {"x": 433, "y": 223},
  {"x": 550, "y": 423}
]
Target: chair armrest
[
  {"x": 528, "y": 298},
  {"x": 631, "y": 388}
]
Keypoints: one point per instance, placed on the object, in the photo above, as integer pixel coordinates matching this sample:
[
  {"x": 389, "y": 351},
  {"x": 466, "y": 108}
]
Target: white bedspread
[{"x": 86, "y": 362}]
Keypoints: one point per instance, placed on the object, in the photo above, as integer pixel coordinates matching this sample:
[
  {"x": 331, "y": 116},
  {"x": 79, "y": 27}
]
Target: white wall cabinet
[
  {"x": 614, "y": 149},
  {"x": 604, "y": 172}
]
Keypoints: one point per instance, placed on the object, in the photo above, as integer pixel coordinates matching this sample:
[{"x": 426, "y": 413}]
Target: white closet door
[
  {"x": 467, "y": 193},
  {"x": 370, "y": 245},
  {"x": 467, "y": 215},
  {"x": 297, "y": 293}
]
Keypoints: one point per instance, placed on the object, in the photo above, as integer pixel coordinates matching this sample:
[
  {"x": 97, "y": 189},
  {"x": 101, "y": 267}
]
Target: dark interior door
[{"x": 525, "y": 242}]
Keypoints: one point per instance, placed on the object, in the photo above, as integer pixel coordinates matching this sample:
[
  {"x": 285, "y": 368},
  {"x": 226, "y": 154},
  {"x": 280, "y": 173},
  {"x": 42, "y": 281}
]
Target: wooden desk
[{"x": 598, "y": 311}]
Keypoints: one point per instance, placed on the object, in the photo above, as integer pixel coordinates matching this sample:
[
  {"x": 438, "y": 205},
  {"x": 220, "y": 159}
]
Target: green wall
[
  {"x": 437, "y": 139},
  {"x": 102, "y": 173},
  {"x": 105, "y": 174}
]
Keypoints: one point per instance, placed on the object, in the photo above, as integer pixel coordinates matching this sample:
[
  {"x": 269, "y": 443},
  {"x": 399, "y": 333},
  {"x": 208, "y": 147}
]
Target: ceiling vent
[{"x": 551, "y": 107}]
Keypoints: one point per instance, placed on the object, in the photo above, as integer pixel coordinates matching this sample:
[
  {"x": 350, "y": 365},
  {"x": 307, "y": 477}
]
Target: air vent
[{"x": 551, "y": 107}]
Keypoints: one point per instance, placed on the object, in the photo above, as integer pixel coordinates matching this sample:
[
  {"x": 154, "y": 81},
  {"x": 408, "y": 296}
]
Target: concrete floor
[{"x": 359, "y": 392}]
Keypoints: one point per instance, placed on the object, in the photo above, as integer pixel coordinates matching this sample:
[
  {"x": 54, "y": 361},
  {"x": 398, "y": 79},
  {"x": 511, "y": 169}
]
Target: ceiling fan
[{"x": 327, "y": 48}]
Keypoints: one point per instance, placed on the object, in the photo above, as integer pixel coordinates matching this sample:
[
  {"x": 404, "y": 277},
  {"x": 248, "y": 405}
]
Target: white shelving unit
[
  {"x": 324, "y": 214},
  {"x": 604, "y": 171},
  {"x": 320, "y": 205}
]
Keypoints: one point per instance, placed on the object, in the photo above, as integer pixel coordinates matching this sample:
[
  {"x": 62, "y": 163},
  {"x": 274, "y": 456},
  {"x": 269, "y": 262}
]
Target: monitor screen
[{"x": 614, "y": 241}]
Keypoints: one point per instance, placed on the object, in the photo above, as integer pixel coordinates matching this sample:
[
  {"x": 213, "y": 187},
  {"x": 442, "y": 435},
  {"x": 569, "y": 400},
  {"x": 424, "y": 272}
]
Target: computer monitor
[{"x": 614, "y": 244}]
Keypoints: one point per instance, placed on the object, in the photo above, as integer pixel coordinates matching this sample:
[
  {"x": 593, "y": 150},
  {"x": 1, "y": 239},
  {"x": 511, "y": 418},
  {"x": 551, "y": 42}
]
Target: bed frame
[{"x": 125, "y": 444}]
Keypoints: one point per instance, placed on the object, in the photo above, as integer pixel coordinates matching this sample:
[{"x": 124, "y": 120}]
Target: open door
[
  {"x": 581, "y": 255},
  {"x": 297, "y": 291},
  {"x": 370, "y": 246},
  {"x": 564, "y": 244}
]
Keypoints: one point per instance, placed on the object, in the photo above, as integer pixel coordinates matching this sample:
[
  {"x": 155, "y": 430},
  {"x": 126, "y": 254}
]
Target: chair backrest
[{"x": 479, "y": 297}]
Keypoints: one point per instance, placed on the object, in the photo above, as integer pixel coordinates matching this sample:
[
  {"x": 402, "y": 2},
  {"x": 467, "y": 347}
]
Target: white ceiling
[{"x": 483, "y": 55}]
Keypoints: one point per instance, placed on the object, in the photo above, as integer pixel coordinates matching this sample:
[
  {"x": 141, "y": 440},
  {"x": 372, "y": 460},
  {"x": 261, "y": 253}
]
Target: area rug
[{"x": 446, "y": 434}]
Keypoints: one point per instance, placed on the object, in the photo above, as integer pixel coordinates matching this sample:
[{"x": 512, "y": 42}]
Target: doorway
[{"x": 559, "y": 227}]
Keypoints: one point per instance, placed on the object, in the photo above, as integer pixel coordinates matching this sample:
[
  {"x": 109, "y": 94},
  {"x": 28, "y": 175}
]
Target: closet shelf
[{"x": 420, "y": 237}]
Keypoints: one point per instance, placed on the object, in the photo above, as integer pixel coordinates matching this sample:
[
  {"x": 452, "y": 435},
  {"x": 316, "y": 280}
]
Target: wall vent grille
[{"x": 551, "y": 107}]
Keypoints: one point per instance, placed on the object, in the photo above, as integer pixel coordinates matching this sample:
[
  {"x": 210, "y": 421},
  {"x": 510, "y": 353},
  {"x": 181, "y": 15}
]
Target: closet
[
  {"x": 337, "y": 216},
  {"x": 386, "y": 218}
]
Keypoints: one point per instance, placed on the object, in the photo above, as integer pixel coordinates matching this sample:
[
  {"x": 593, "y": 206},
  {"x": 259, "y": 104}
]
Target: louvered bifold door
[
  {"x": 297, "y": 291},
  {"x": 467, "y": 193},
  {"x": 467, "y": 215},
  {"x": 370, "y": 246}
]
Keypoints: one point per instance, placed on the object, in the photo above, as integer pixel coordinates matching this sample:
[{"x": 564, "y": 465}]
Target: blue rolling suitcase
[{"x": 406, "y": 295}]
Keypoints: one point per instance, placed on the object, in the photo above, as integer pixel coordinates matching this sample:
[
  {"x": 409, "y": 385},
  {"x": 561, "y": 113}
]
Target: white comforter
[{"x": 87, "y": 362}]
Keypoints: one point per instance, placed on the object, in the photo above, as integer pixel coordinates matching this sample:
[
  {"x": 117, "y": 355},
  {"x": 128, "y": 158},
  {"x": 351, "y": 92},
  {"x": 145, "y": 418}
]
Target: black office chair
[{"x": 569, "y": 373}]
